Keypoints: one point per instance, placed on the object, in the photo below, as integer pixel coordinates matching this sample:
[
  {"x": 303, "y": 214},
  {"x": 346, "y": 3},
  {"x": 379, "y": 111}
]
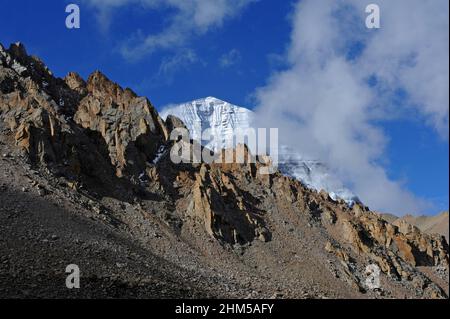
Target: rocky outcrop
[
  {"x": 437, "y": 224},
  {"x": 224, "y": 210},
  {"x": 130, "y": 126},
  {"x": 37, "y": 76},
  {"x": 172, "y": 122},
  {"x": 76, "y": 83},
  {"x": 71, "y": 126},
  {"x": 357, "y": 234},
  {"x": 367, "y": 231},
  {"x": 46, "y": 134}
]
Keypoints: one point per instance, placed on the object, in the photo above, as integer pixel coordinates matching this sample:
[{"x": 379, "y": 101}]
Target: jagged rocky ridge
[
  {"x": 265, "y": 235},
  {"x": 225, "y": 120}
]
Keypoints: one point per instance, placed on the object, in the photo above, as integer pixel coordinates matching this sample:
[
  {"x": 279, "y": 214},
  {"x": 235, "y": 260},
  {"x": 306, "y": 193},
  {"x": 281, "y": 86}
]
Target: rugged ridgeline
[
  {"x": 437, "y": 224},
  {"x": 87, "y": 179},
  {"x": 225, "y": 120}
]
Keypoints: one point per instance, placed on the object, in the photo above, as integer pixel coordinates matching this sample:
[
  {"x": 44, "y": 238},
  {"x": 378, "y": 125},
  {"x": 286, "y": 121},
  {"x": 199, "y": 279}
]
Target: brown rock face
[
  {"x": 396, "y": 250},
  {"x": 72, "y": 126},
  {"x": 130, "y": 126},
  {"x": 226, "y": 213},
  {"x": 225, "y": 199},
  {"x": 76, "y": 83},
  {"x": 173, "y": 122},
  {"x": 437, "y": 224}
]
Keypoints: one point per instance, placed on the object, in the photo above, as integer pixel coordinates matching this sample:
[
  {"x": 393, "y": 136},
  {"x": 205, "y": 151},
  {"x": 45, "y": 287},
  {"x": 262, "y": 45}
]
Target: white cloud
[
  {"x": 323, "y": 105},
  {"x": 190, "y": 18},
  {"x": 411, "y": 52},
  {"x": 180, "y": 60},
  {"x": 170, "y": 66},
  {"x": 230, "y": 58}
]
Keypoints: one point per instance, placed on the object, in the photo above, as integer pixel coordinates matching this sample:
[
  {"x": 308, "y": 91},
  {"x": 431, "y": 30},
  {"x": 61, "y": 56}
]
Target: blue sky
[{"x": 246, "y": 52}]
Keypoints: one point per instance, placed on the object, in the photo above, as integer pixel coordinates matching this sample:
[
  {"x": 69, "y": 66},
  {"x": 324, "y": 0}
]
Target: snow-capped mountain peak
[{"x": 224, "y": 119}]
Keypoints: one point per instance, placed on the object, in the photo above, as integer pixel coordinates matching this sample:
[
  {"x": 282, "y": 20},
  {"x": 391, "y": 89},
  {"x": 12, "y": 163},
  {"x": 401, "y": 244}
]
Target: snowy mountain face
[
  {"x": 225, "y": 119},
  {"x": 222, "y": 118}
]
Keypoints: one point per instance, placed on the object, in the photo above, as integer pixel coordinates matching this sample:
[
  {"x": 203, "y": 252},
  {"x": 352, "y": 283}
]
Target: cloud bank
[{"x": 340, "y": 81}]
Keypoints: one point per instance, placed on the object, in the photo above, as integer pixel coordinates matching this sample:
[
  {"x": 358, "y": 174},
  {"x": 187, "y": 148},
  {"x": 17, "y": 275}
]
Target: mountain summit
[{"x": 222, "y": 118}]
